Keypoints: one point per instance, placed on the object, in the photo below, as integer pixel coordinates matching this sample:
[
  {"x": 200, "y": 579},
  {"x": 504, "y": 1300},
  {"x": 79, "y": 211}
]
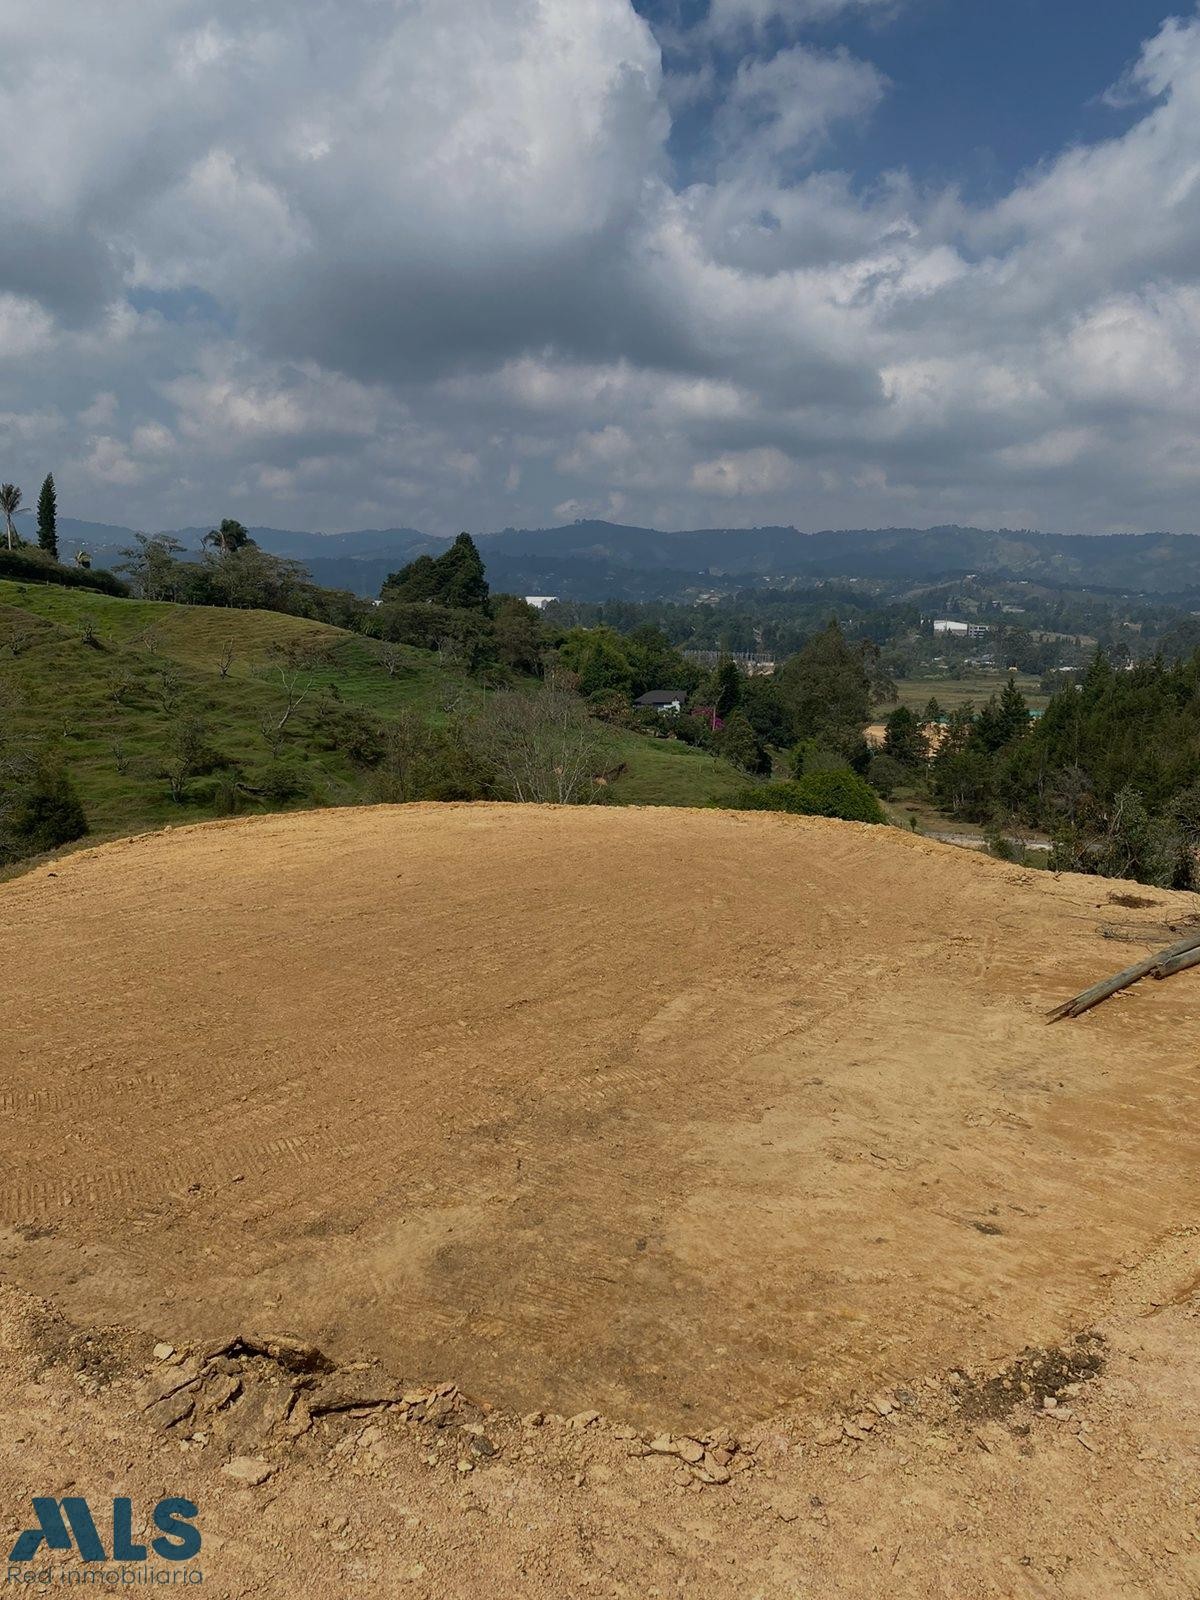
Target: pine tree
[
  {"x": 47, "y": 518},
  {"x": 727, "y": 687},
  {"x": 464, "y": 582}
]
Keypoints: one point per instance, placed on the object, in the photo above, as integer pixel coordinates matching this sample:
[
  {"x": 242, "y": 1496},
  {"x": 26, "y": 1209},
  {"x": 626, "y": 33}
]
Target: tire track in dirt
[{"x": 680, "y": 1112}]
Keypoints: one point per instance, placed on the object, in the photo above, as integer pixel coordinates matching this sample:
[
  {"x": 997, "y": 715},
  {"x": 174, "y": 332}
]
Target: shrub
[
  {"x": 32, "y": 566},
  {"x": 885, "y": 775},
  {"x": 39, "y": 808},
  {"x": 838, "y": 793}
]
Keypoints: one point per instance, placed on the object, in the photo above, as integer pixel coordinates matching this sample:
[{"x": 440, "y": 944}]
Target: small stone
[
  {"x": 483, "y": 1446},
  {"x": 464, "y": 1465},
  {"x": 175, "y": 1408},
  {"x": 689, "y": 1450},
  {"x": 250, "y": 1470},
  {"x": 663, "y": 1445},
  {"x": 714, "y": 1471},
  {"x": 583, "y": 1419},
  {"x": 299, "y": 1420},
  {"x": 882, "y": 1404},
  {"x": 533, "y": 1419},
  {"x": 163, "y": 1352},
  {"x": 830, "y": 1435}
]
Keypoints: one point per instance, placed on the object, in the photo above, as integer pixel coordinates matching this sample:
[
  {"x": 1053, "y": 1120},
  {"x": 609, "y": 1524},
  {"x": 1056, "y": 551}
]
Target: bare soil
[{"x": 739, "y": 1129}]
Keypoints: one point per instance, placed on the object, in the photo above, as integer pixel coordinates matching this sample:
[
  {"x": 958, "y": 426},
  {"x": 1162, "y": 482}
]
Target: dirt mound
[
  {"x": 583, "y": 1163},
  {"x": 683, "y": 1116}
]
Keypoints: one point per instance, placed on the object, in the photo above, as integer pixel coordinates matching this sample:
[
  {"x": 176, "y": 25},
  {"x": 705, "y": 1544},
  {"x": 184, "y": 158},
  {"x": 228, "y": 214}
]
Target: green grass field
[
  {"x": 950, "y": 693},
  {"x": 106, "y": 681},
  {"x": 661, "y": 772}
]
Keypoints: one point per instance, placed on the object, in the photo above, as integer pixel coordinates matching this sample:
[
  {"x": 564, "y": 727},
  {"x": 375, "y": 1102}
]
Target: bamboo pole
[{"x": 1162, "y": 965}]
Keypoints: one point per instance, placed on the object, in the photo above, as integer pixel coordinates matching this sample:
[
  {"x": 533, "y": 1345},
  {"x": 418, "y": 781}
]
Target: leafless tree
[
  {"x": 187, "y": 755},
  {"x": 389, "y": 659},
  {"x": 226, "y": 659},
  {"x": 543, "y": 746},
  {"x": 293, "y": 668},
  {"x": 168, "y": 690}
]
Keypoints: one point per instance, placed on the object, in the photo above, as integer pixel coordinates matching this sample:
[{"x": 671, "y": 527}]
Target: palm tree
[
  {"x": 228, "y": 538},
  {"x": 10, "y": 499}
]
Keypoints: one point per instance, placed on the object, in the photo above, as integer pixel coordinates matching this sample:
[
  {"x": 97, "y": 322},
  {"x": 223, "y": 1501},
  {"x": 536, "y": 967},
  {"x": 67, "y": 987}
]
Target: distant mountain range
[{"x": 601, "y": 560}]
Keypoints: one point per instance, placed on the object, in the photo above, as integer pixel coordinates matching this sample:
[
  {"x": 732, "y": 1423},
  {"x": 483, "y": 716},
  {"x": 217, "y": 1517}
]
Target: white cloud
[
  {"x": 425, "y": 260},
  {"x": 784, "y": 105}
]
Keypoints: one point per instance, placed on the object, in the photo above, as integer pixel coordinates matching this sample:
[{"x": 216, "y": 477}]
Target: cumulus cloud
[{"x": 425, "y": 261}]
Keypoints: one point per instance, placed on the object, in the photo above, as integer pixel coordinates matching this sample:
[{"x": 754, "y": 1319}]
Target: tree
[
  {"x": 455, "y": 579},
  {"x": 727, "y": 688},
  {"x": 10, "y": 502},
  {"x": 465, "y": 585},
  {"x": 826, "y": 689},
  {"x": 886, "y": 775},
  {"x": 188, "y": 754},
  {"x": 228, "y": 538},
  {"x": 293, "y": 666},
  {"x": 47, "y": 517},
  {"x": 904, "y": 738},
  {"x": 740, "y": 746},
  {"x": 39, "y": 806},
  {"x": 597, "y": 657},
  {"x": 542, "y": 747},
  {"x": 151, "y": 565}
]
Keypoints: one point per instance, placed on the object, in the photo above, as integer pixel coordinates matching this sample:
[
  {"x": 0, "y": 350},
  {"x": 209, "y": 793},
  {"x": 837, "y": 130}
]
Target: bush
[
  {"x": 39, "y": 808},
  {"x": 838, "y": 793},
  {"x": 421, "y": 762},
  {"x": 31, "y": 566},
  {"x": 276, "y": 781},
  {"x": 885, "y": 775}
]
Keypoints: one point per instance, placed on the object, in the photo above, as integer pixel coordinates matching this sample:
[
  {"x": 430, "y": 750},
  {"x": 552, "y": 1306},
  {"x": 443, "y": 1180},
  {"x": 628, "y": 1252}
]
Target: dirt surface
[{"x": 718, "y": 1125}]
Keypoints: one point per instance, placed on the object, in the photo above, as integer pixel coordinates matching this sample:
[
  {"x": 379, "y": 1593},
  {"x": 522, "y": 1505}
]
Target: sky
[{"x": 451, "y": 264}]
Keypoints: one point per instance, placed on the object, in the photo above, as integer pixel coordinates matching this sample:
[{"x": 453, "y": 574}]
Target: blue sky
[
  {"x": 979, "y": 90},
  {"x": 679, "y": 263}
]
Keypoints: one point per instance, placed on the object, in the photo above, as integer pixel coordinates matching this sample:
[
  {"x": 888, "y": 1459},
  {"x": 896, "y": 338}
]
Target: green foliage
[
  {"x": 424, "y": 762},
  {"x": 1002, "y": 721},
  {"x": 455, "y": 579},
  {"x": 886, "y": 775},
  {"x": 740, "y": 745},
  {"x": 726, "y": 688},
  {"x": 826, "y": 689},
  {"x": 34, "y": 566},
  {"x": 40, "y": 808},
  {"x": 47, "y": 518},
  {"x": 231, "y": 536},
  {"x": 836, "y": 793},
  {"x": 904, "y": 738},
  {"x": 598, "y": 658}
]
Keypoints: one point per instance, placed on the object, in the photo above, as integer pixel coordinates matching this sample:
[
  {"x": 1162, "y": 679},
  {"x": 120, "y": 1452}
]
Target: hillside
[
  {"x": 108, "y": 681},
  {"x": 739, "y": 1140}
]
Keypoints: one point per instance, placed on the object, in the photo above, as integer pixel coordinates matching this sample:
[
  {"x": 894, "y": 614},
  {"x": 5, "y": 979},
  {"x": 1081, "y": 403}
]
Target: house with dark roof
[{"x": 662, "y": 700}]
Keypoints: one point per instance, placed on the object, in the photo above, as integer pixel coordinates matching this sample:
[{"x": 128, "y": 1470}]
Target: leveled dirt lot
[{"x": 691, "y": 1118}]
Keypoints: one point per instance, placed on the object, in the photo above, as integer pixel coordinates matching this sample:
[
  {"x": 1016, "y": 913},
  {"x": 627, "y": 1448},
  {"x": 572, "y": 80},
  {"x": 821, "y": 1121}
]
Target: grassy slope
[{"x": 59, "y": 684}]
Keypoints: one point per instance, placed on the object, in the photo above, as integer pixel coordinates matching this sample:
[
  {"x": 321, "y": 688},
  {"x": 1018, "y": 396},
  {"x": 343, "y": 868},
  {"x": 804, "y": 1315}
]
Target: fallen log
[
  {"x": 1179, "y": 963},
  {"x": 1176, "y": 958}
]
